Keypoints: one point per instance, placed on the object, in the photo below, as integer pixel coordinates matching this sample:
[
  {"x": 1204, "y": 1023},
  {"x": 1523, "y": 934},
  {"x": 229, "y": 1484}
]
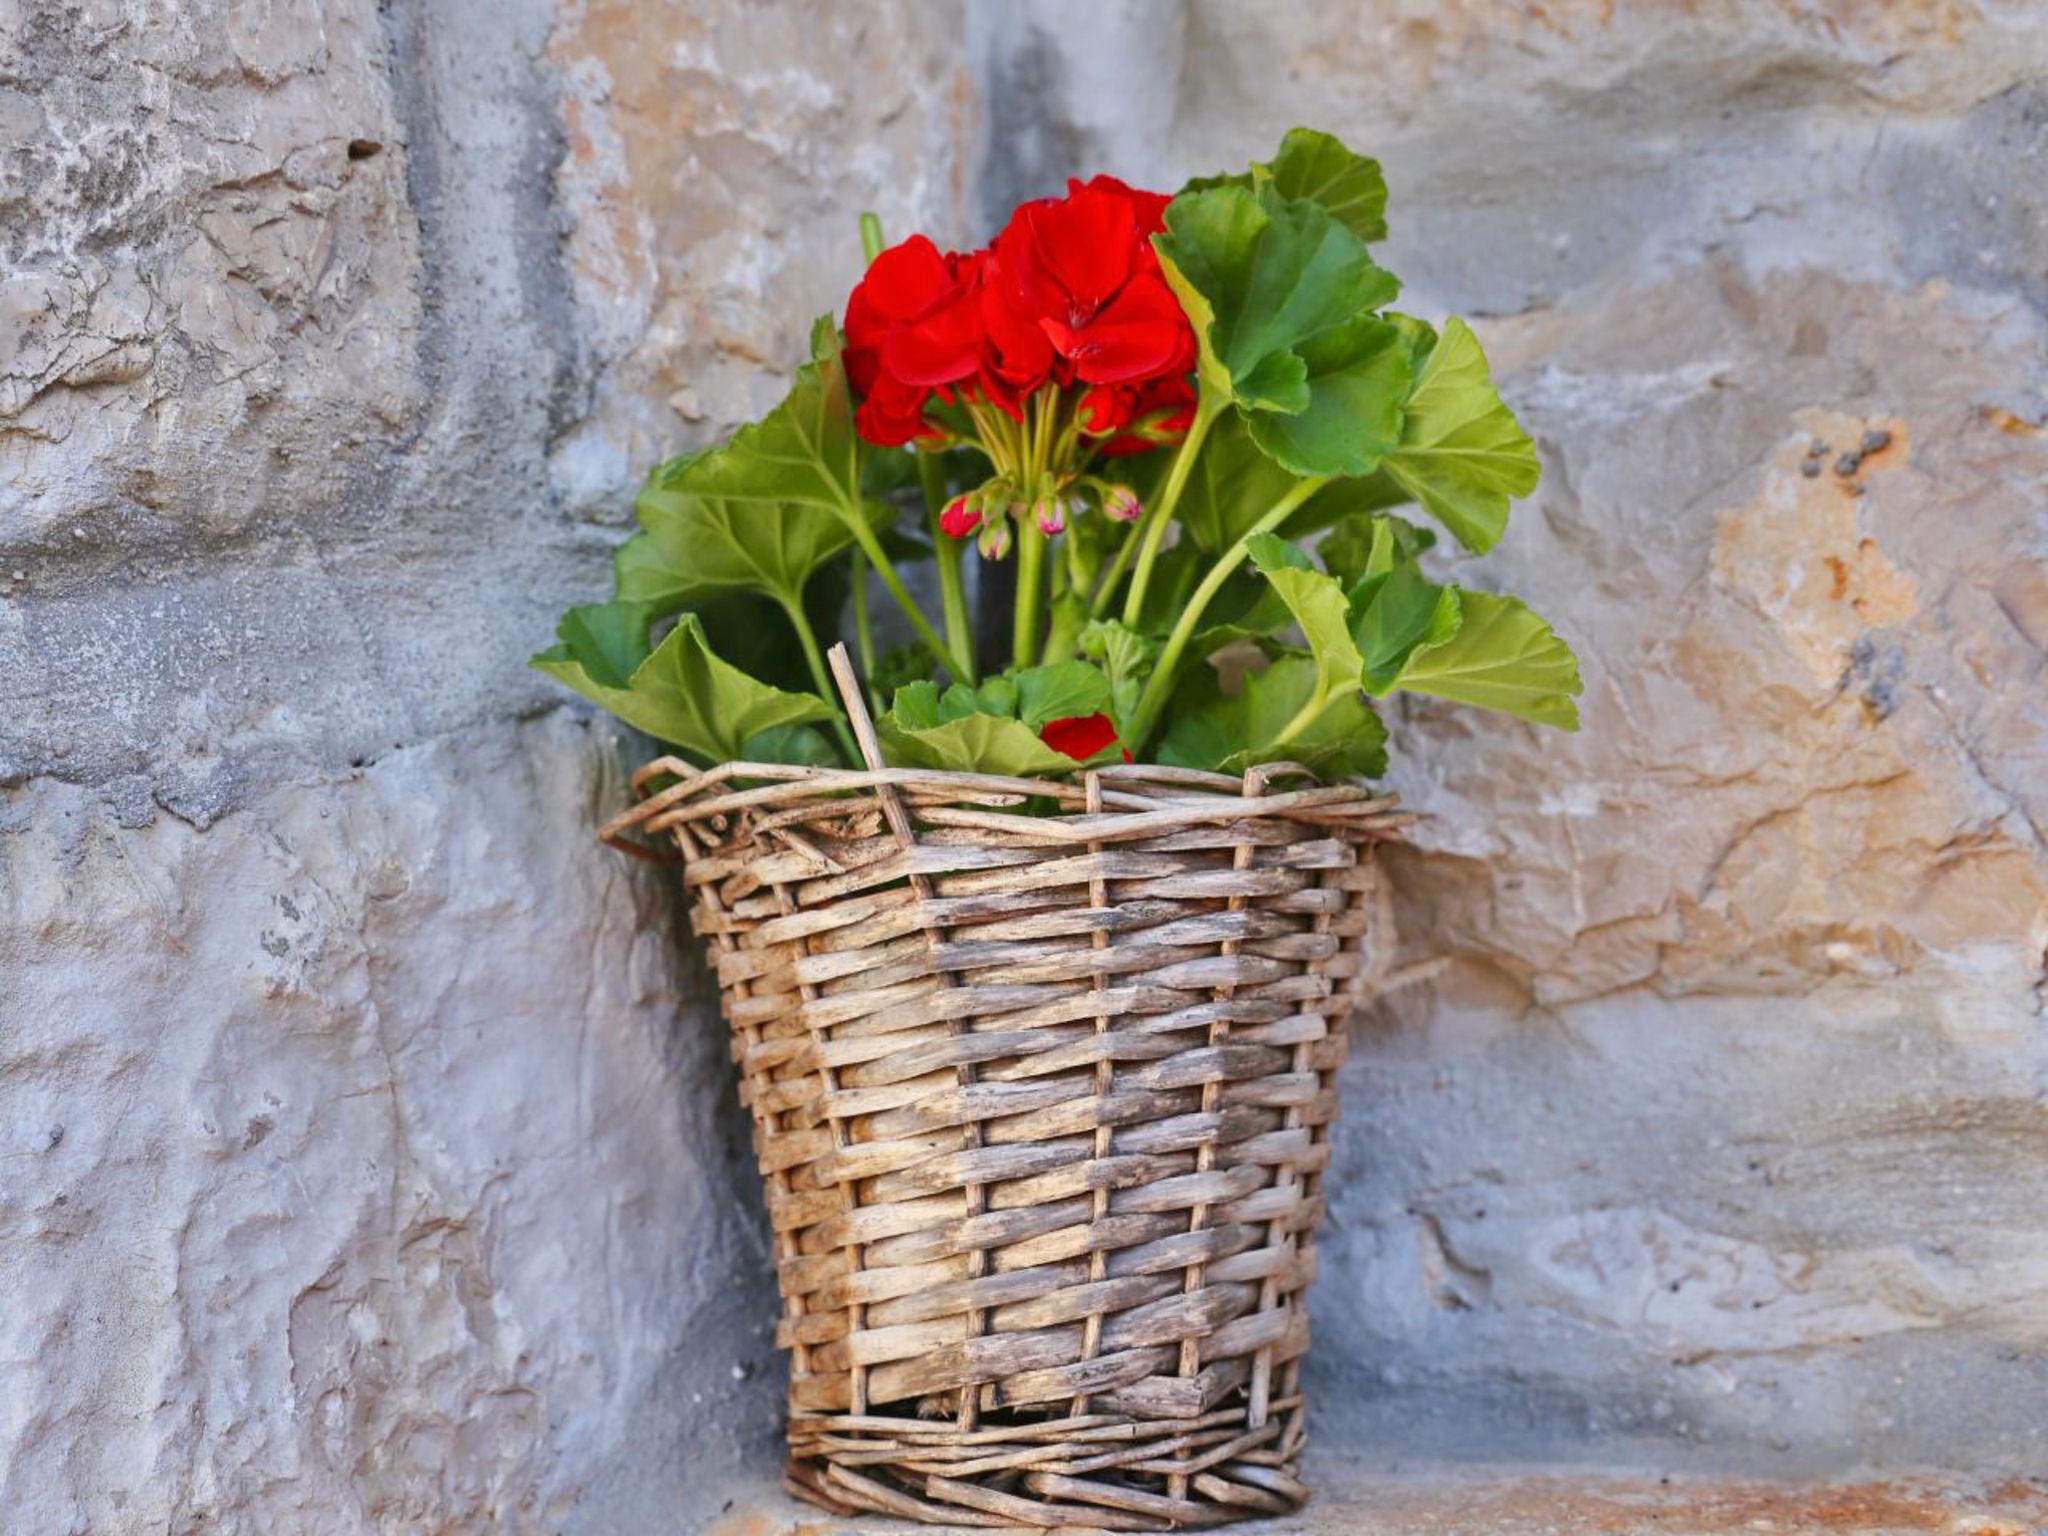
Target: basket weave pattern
[{"x": 1042, "y": 1106}]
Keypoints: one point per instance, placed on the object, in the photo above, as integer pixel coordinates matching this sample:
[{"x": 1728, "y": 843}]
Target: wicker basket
[{"x": 1042, "y": 1104}]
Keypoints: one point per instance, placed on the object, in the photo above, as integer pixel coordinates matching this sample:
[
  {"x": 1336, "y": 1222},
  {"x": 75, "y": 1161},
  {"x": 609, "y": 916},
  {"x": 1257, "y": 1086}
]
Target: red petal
[
  {"x": 1085, "y": 243},
  {"x": 893, "y": 414},
  {"x": 941, "y": 346},
  {"x": 902, "y": 281},
  {"x": 1105, "y": 408},
  {"x": 1148, "y": 208},
  {"x": 1080, "y": 736},
  {"x": 1141, "y": 334}
]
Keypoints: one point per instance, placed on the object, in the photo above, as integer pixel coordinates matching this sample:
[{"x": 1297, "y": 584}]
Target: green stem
[
  {"x": 1072, "y": 574},
  {"x": 878, "y": 557},
  {"x": 959, "y": 652},
  {"x": 1030, "y": 572},
  {"x": 863, "y": 629},
  {"x": 822, "y": 679},
  {"x": 1151, "y": 530},
  {"x": 1153, "y": 699},
  {"x": 870, "y": 237},
  {"x": 1301, "y": 718},
  {"x": 953, "y": 602}
]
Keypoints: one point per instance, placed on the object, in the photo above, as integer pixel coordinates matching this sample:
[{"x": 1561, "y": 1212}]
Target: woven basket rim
[{"x": 1116, "y": 800}]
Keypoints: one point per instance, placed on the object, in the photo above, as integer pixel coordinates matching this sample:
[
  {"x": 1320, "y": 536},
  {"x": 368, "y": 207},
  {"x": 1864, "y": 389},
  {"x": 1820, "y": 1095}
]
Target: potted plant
[{"x": 1037, "y": 965}]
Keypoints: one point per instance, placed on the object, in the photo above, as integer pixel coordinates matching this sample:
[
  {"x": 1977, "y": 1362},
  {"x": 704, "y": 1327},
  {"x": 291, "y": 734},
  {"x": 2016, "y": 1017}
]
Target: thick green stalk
[
  {"x": 1151, "y": 529},
  {"x": 878, "y": 557},
  {"x": 822, "y": 679},
  {"x": 1062, "y": 636},
  {"x": 863, "y": 629},
  {"x": 953, "y": 602},
  {"x": 959, "y": 652},
  {"x": 1030, "y": 574},
  {"x": 1071, "y": 576},
  {"x": 1153, "y": 699}
]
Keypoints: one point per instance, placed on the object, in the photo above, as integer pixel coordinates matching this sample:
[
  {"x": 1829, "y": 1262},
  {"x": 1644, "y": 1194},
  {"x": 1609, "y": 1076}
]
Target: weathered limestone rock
[
  {"x": 713, "y": 180},
  {"x": 362, "y": 1170}
]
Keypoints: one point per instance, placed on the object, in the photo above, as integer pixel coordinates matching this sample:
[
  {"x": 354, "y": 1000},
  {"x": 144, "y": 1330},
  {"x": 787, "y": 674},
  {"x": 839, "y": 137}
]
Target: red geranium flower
[
  {"x": 1081, "y": 736},
  {"x": 1069, "y": 294},
  {"x": 1074, "y": 291},
  {"x": 911, "y": 327}
]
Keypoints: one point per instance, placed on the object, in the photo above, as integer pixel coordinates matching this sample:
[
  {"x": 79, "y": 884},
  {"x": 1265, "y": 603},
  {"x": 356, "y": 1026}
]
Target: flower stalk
[
  {"x": 1150, "y": 532},
  {"x": 959, "y": 649},
  {"x": 814, "y": 658},
  {"x": 1030, "y": 573},
  {"x": 1160, "y": 685}
]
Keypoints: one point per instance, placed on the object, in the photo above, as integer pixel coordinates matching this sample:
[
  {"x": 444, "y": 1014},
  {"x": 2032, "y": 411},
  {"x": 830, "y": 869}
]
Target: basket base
[{"x": 1106, "y": 1471}]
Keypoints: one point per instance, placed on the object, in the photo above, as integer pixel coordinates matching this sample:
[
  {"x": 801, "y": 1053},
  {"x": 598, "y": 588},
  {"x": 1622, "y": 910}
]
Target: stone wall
[{"x": 368, "y": 1156}]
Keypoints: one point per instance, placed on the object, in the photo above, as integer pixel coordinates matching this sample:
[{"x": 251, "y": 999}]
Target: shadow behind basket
[{"x": 1042, "y": 1104}]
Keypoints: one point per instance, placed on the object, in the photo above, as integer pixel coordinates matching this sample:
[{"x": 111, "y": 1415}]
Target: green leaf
[
  {"x": 1278, "y": 714},
  {"x": 993, "y": 728},
  {"x": 1392, "y": 613},
  {"x": 1318, "y": 167},
  {"x": 803, "y": 453},
  {"x": 1370, "y": 546},
  {"x": 1502, "y": 656},
  {"x": 685, "y": 695},
  {"x": 1356, "y": 375},
  {"x": 765, "y": 513},
  {"x": 802, "y": 744},
  {"x": 917, "y": 706},
  {"x": 972, "y": 743},
  {"x": 608, "y": 640},
  {"x": 1462, "y": 454},
  {"x": 1232, "y": 485},
  {"x": 692, "y": 544},
  {"x": 752, "y": 632},
  {"x": 1060, "y": 691},
  {"x": 1319, "y": 606},
  {"x": 1306, "y": 709},
  {"x": 1280, "y": 295},
  {"x": 1126, "y": 656},
  {"x": 1035, "y": 695}
]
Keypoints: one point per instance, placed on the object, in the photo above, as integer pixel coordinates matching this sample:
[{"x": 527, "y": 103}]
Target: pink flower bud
[
  {"x": 994, "y": 538},
  {"x": 1121, "y": 503},
  {"x": 1051, "y": 514},
  {"x": 960, "y": 518}
]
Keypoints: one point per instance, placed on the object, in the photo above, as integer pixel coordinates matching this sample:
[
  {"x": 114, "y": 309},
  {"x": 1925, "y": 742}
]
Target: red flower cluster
[{"x": 1070, "y": 293}]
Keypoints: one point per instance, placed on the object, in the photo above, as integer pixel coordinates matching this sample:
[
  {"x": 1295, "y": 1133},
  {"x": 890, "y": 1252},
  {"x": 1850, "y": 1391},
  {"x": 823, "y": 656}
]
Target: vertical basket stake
[
  {"x": 970, "y": 1129},
  {"x": 856, "y": 711}
]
